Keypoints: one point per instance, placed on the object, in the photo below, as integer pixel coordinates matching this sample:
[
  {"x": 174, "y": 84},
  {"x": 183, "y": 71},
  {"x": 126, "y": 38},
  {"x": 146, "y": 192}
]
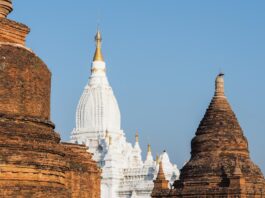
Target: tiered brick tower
[
  {"x": 220, "y": 165},
  {"x": 33, "y": 162}
]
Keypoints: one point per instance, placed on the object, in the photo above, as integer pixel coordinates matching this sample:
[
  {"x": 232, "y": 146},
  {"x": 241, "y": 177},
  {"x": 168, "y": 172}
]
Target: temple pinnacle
[
  {"x": 149, "y": 148},
  {"x": 5, "y": 8},
  {"x": 161, "y": 174},
  {"x": 219, "y": 86},
  {"x": 98, "y": 54},
  {"x": 157, "y": 159},
  {"x": 137, "y": 137}
]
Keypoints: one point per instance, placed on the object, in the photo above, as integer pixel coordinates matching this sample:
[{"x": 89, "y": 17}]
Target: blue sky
[{"x": 162, "y": 58}]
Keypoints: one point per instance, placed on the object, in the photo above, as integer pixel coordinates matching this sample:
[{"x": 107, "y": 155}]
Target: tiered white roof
[{"x": 98, "y": 125}]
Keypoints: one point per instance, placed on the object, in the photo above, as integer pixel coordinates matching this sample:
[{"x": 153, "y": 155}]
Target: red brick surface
[{"x": 24, "y": 83}]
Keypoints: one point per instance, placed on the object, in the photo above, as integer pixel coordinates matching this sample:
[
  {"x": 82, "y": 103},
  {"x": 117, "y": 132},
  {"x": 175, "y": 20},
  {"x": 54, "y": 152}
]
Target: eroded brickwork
[
  {"x": 13, "y": 32},
  {"x": 33, "y": 162},
  {"x": 24, "y": 83},
  {"x": 81, "y": 167}
]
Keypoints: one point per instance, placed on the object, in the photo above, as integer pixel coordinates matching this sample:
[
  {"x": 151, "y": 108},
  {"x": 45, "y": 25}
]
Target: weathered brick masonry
[{"x": 33, "y": 162}]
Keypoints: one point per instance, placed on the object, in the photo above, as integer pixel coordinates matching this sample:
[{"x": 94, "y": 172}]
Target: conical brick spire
[
  {"x": 161, "y": 174},
  {"x": 219, "y": 126},
  {"x": 218, "y": 142},
  {"x": 160, "y": 183}
]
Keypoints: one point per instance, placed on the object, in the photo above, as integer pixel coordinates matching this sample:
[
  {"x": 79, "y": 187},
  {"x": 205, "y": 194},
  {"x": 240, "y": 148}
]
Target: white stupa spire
[
  {"x": 98, "y": 109},
  {"x": 137, "y": 146},
  {"x": 149, "y": 158},
  {"x": 136, "y": 157}
]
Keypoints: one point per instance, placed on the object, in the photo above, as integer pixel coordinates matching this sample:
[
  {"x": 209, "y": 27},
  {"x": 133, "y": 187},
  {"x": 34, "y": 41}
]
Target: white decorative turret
[
  {"x": 149, "y": 158},
  {"x": 137, "y": 146},
  {"x": 136, "y": 158}
]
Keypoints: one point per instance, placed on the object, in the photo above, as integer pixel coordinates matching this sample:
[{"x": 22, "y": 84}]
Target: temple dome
[{"x": 98, "y": 109}]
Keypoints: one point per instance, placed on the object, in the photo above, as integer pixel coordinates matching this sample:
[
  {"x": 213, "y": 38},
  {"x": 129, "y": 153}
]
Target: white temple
[{"x": 98, "y": 126}]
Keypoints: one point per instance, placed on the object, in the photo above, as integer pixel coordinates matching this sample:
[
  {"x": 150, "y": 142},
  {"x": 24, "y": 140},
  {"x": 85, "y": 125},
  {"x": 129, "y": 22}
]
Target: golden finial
[
  {"x": 98, "y": 55},
  {"x": 149, "y": 148},
  {"x": 157, "y": 159},
  {"x": 137, "y": 137}
]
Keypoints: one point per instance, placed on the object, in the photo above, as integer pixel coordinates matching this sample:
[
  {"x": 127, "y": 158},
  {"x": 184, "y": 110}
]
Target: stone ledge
[{"x": 13, "y": 32}]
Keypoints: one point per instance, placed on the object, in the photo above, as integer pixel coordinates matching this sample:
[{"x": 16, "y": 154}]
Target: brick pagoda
[{"x": 220, "y": 165}]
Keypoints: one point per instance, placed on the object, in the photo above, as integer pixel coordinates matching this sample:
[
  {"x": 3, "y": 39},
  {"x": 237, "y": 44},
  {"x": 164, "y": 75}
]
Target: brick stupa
[
  {"x": 220, "y": 165},
  {"x": 33, "y": 162}
]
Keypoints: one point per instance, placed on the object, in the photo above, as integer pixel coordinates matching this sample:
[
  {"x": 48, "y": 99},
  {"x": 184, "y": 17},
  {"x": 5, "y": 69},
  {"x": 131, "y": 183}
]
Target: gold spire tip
[
  {"x": 149, "y": 148},
  {"x": 157, "y": 158},
  {"x": 137, "y": 137},
  {"x": 98, "y": 54}
]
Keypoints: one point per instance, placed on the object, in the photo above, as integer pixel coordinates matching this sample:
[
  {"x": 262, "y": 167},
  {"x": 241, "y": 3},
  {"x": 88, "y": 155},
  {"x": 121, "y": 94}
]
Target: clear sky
[{"x": 162, "y": 58}]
